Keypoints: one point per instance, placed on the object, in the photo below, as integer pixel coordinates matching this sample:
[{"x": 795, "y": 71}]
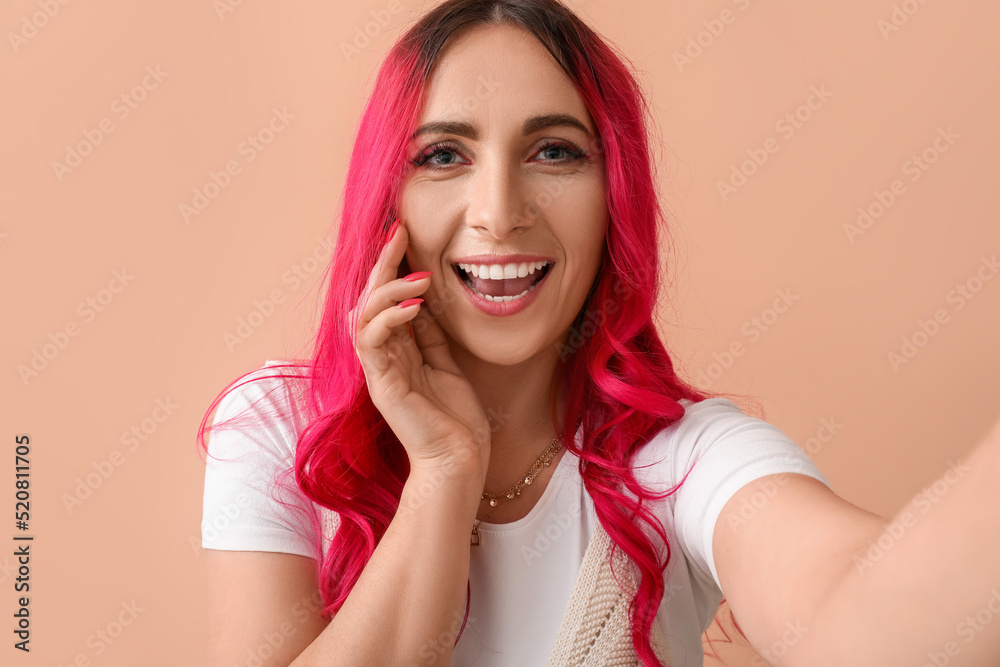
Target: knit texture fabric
[
  {"x": 329, "y": 521},
  {"x": 596, "y": 630}
]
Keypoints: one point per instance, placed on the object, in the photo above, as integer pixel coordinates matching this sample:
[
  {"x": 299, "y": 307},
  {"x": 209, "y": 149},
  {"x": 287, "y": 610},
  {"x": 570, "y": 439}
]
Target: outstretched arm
[{"x": 814, "y": 580}]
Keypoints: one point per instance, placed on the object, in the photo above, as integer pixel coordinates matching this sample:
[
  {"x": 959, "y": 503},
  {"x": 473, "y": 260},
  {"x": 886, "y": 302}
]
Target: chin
[{"x": 503, "y": 349}]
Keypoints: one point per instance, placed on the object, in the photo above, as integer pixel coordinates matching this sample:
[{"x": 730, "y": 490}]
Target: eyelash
[{"x": 421, "y": 160}]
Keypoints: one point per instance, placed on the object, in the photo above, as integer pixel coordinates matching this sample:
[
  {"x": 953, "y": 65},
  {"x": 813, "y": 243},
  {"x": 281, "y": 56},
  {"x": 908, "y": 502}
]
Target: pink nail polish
[
  {"x": 409, "y": 302},
  {"x": 392, "y": 230},
  {"x": 419, "y": 275}
]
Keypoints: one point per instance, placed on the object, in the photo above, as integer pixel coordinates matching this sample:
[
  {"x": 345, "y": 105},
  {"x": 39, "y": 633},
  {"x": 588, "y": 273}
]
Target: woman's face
[{"x": 515, "y": 205}]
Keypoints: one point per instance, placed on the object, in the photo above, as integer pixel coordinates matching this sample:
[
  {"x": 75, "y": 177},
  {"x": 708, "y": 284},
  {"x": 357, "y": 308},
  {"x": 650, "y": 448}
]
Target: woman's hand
[{"x": 413, "y": 380}]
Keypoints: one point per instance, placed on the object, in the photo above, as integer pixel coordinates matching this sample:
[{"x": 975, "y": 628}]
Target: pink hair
[{"x": 621, "y": 384}]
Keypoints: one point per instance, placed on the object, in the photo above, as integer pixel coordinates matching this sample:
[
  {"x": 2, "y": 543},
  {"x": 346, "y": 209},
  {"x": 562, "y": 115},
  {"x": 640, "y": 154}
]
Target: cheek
[
  {"x": 426, "y": 198},
  {"x": 421, "y": 212},
  {"x": 581, "y": 214}
]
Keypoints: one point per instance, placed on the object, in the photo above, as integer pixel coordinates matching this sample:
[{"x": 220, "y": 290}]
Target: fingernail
[
  {"x": 392, "y": 230},
  {"x": 409, "y": 302},
  {"x": 419, "y": 275}
]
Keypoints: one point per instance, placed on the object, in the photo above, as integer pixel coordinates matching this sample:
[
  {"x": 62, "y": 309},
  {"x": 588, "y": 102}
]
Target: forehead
[{"x": 494, "y": 77}]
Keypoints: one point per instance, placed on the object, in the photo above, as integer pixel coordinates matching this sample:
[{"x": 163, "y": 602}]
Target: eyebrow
[{"x": 531, "y": 125}]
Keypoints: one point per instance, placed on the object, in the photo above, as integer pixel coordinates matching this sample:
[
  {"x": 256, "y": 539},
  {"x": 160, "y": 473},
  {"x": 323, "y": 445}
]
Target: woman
[{"x": 489, "y": 406}]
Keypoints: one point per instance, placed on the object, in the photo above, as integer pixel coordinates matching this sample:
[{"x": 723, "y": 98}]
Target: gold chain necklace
[{"x": 497, "y": 500}]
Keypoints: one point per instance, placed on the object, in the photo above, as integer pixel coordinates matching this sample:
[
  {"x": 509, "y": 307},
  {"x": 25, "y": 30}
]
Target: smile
[{"x": 502, "y": 283}]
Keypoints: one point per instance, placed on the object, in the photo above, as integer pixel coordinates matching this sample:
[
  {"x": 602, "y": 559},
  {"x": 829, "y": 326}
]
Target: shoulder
[
  {"x": 275, "y": 382},
  {"x": 251, "y": 501},
  {"x": 262, "y": 408},
  {"x": 703, "y": 420},
  {"x": 717, "y": 431},
  {"x": 704, "y": 423},
  {"x": 714, "y": 450}
]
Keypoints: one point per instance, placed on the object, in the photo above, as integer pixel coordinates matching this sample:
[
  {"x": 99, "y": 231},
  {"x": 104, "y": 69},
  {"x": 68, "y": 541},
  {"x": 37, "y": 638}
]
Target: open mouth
[{"x": 502, "y": 282}]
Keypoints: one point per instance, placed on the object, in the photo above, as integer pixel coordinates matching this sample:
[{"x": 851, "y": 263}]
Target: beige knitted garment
[{"x": 596, "y": 630}]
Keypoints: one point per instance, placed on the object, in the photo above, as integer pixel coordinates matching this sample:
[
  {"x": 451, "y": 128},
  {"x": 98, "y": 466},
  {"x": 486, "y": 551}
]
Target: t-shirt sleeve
[
  {"x": 728, "y": 449},
  {"x": 240, "y": 512}
]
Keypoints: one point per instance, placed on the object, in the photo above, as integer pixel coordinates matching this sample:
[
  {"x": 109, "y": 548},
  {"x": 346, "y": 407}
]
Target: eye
[
  {"x": 572, "y": 152},
  {"x": 426, "y": 156}
]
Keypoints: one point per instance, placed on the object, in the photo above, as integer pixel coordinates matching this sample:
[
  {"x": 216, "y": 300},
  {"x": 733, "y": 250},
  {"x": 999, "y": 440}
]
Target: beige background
[{"x": 160, "y": 334}]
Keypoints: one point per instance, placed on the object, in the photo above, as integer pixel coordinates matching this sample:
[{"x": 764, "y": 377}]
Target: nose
[{"x": 497, "y": 202}]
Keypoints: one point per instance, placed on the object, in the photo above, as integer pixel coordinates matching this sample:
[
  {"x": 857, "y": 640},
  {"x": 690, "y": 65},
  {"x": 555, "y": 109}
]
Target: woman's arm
[
  {"x": 408, "y": 604},
  {"x": 816, "y": 581},
  {"x": 928, "y": 591},
  {"x": 405, "y": 609},
  {"x": 261, "y": 605}
]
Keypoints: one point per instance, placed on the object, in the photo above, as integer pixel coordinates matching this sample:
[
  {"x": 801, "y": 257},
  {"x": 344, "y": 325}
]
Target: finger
[
  {"x": 385, "y": 269},
  {"x": 432, "y": 342},
  {"x": 394, "y": 292},
  {"x": 370, "y": 345},
  {"x": 387, "y": 265}
]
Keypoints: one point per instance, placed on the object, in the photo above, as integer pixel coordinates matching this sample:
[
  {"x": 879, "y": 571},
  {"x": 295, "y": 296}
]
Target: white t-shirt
[{"x": 523, "y": 573}]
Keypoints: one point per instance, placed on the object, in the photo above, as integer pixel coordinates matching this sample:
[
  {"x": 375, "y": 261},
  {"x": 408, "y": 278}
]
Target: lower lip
[{"x": 501, "y": 308}]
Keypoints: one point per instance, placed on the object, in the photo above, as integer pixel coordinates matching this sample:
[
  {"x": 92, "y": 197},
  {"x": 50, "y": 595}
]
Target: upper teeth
[{"x": 502, "y": 271}]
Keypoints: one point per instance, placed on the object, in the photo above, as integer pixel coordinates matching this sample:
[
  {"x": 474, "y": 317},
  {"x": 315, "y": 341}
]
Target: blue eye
[
  {"x": 563, "y": 152},
  {"x": 431, "y": 152},
  {"x": 548, "y": 150},
  {"x": 425, "y": 157}
]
